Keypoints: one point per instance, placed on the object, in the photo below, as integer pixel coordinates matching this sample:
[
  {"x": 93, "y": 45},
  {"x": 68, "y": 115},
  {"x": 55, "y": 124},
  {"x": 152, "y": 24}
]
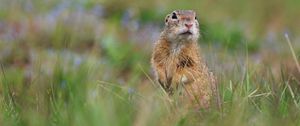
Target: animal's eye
[
  {"x": 174, "y": 16},
  {"x": 195, "y": 18}
]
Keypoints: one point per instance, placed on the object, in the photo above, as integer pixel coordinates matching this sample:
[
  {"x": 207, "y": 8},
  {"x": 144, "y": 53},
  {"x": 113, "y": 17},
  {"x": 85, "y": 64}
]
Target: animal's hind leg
[{"x": 198, "y": 95}]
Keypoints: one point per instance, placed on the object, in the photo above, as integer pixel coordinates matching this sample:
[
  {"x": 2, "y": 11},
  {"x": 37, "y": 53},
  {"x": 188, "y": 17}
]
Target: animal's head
[{"x": 182, "y": 25}]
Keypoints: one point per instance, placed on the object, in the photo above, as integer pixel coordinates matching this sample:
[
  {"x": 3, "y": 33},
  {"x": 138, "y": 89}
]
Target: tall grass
[
  {"x": 78, "y": 95},
  {"x": 87, "y": 63}
]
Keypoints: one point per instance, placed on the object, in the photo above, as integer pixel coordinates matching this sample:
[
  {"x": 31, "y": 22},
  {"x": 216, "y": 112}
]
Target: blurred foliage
[
  {"x": 232, "y": 39},
  {"x": 121, "y": 55},
  {"x": 87, "y": 62}
]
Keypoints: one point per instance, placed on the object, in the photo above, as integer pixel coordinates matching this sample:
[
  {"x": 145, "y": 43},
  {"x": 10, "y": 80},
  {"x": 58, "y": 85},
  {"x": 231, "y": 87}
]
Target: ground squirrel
[{"x": 177, "y": 62}]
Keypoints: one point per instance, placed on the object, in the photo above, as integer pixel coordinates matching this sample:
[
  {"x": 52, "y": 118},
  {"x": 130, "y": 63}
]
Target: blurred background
[{"x": 87, "y": 62}]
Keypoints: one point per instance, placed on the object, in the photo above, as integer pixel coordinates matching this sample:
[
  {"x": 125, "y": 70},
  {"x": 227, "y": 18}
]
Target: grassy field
[{"x": 87, "y": 62}]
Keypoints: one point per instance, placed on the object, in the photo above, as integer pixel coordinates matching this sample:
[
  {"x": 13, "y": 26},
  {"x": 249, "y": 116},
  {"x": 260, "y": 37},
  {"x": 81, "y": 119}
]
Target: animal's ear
[
  {"x": 195, "y": 16},
  {"x": 167, "y": 18}
]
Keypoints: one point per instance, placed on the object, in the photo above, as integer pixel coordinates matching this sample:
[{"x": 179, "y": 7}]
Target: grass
[
  {"x": 292, "y": 51},
  {"x": 70, "y": 63},
  {"x": 77, "y": 95}
]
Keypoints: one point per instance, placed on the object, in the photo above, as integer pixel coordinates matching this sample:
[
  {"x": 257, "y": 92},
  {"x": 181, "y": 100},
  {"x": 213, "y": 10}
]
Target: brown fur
[{"x": 180, "y": 63}]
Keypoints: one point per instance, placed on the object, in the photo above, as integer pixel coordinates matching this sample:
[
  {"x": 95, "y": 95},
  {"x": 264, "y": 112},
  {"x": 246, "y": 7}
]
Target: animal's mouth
[{"x": 186, "y": 33}]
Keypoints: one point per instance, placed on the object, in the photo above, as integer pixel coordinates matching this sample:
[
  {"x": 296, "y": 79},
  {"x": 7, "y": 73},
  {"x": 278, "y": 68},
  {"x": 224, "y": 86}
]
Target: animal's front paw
[
  {"x": 184, "y": 79},
  {"x": 166, "y": 86}
]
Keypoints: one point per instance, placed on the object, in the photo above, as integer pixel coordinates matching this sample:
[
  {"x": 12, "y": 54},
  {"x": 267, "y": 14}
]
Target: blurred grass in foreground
[{"x": 87, "y": 63}]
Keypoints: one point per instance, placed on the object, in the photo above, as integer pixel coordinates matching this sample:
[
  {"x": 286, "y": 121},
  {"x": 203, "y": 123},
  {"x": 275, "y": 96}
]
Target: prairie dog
[{"x": 176, "y": 60}]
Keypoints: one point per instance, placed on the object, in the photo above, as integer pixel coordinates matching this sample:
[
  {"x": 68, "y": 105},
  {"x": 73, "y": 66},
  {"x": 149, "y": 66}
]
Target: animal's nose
[{"x": 188, "y": 25}]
